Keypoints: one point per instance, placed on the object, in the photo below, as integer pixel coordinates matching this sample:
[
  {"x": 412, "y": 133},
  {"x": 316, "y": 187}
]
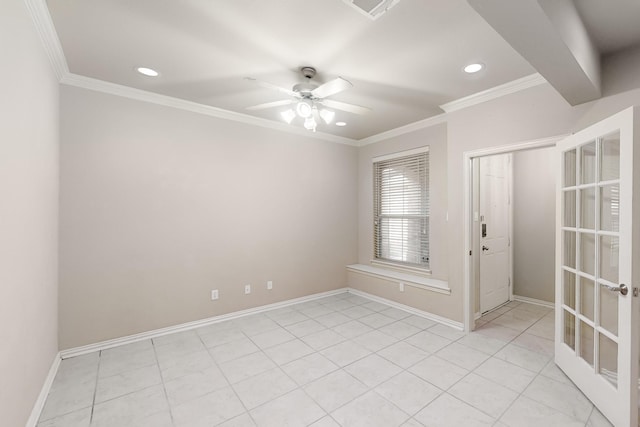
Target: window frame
[{"x": 421, "y": 268}]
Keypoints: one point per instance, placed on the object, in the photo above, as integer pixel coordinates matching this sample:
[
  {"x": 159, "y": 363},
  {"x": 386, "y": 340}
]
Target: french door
[{"x": 597, "y": 264}]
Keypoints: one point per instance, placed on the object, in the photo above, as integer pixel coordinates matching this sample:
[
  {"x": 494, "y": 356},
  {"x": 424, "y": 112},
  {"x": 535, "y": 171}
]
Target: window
[{"x": 401, "y": 208}]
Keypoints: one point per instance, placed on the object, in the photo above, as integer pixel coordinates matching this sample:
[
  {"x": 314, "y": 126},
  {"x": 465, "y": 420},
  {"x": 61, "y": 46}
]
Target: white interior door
[
  {"x": 597, "y": 236},
  {"x": 494, "y": 231}
]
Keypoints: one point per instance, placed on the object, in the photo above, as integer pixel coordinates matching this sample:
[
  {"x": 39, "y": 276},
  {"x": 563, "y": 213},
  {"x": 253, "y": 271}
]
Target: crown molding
[
  {"x": 41, "y": 18},
  {"x": 97, "y": 85},
  {"x": 411, "y": 127},
  {"x": 493, "y": 93},
  {"x": 459, "y": 104},
  {"x": 39, "y": 13}
]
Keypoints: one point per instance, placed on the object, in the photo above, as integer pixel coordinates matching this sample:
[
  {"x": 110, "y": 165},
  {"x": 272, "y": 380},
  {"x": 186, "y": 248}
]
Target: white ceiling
[
  {"x": 403, "y": 65},
  {"x": 613, "y": 24}
]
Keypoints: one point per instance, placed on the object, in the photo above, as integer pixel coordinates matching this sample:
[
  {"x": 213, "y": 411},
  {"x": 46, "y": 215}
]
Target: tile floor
[{"x": 340, "y": 361}]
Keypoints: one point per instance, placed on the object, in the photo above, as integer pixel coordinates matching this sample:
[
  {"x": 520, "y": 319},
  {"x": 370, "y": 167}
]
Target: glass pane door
[
  {"x": 597, "y": 316},
  {"x": 591, "y": 205}
]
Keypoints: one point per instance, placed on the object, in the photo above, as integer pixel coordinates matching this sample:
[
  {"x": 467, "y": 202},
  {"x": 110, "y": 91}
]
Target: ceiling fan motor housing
[
  {"x": 308, "y": 72},
  {"x": 305, "y": 88}
]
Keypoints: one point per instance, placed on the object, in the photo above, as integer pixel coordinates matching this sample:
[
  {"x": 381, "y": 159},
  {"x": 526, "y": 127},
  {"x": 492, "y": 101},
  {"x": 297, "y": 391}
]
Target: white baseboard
[
  {"x": 534, "y": 301},
  {"x": 77, "y": 351},
  {"x": 103, "y": 345},
  {"x": 44, "y": 392},
  {"x": 408, "y": 309}
]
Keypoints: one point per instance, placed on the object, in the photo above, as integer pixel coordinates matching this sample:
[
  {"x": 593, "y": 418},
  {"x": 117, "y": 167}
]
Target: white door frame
[{"x": 468, "y": 156}]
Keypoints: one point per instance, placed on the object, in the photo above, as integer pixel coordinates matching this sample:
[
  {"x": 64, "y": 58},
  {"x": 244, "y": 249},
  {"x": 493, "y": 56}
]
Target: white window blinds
[{"x": 401, "y": 209}]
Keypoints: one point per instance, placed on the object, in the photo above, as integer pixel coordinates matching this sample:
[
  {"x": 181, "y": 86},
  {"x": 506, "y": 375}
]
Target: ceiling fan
[{"x": 310, "y": 100}]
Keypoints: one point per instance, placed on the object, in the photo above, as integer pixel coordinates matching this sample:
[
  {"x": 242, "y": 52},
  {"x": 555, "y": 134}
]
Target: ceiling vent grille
[{"x": 372, "y": 8}]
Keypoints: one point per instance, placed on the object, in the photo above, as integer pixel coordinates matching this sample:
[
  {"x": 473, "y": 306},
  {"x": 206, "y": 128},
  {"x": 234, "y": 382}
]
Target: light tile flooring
[{"x": 340, "y": 361}]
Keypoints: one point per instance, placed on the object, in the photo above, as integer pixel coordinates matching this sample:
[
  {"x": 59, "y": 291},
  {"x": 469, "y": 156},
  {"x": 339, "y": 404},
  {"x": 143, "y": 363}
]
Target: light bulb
[
  {"x": 304, "y": 109},
  {"x": 288, "y": 115},
  {"x": 327, "y": 116},
  {"x": 310, "y": 124}
]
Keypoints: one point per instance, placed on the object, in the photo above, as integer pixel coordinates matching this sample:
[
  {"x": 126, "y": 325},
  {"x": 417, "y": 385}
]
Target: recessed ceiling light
[
  {"x": 341, "y": 124},
  {"x": 473, "y": 68},
  {"x": 149, "y": 72}
]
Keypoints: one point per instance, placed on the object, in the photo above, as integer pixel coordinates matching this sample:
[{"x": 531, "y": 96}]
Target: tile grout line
[
  {"x": 95, "y": 389},
  {"x": 235, "y": 393},
  {"x": 164, "y": 388},
  {"x": 348, "y": 305},
  {"x": 538, "y": 374},
  {"x": 497, "y": 419},
  {"x": 339, "y": 368},
  {"x": 521, "y": 393}
]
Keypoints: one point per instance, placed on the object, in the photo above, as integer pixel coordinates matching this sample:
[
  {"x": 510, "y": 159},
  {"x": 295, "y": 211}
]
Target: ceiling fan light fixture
[
  {"x": 304, "y": 108},
  {"x": 310, "y": 124},
  {"x": 327, "y": 116},
  {"x": 308, "y": 100},
  {"x": 372, "y": 8},
  {"x": 288, "y": 115}
]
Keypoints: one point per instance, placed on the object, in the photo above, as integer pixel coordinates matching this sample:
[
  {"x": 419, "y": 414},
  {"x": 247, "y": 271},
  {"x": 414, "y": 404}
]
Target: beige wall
[
  {"x": 159, "y": 206},
  {"x": 436, "y": 138},
  {"x": 28, "y": 214},
  {"x": 534, "y": 222},
  {"x": 535, "y": 113}
]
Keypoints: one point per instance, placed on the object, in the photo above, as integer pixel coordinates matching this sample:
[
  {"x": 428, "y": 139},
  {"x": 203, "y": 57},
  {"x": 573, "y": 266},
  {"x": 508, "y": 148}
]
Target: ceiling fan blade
[
  {"x": 271, "y": 104},
  {"x": 350, "y": 108},
  {"x": 273, "y": 87},
  {"x": 331, "y": 88}
]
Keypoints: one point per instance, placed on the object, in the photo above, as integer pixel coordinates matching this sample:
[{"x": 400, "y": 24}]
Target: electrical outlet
[
  {"x": 269, "y": 285},
  {"x": 247, "y": 289},
  {"x": 214, "y": 295},
  {"x": 401, "y": 286}
]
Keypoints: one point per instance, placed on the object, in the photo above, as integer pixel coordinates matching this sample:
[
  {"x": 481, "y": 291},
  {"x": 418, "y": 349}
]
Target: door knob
[
  {"x": 623, "y": 289},
  {"x": 484, "y": 248}
]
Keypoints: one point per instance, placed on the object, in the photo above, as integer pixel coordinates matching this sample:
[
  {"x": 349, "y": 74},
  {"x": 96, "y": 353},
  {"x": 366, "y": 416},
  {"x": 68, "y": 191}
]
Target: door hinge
[
  {"x": 635, "y": 292},
  {"x": 469, "y": 253},
  {"x": 509, "y": 281}
]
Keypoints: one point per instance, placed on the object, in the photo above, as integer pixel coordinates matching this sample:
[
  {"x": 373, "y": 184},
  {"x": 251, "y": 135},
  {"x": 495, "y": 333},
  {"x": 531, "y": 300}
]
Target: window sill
[
  {"x": 401, "y": 268},
  {"x": 414, "y": 280}
]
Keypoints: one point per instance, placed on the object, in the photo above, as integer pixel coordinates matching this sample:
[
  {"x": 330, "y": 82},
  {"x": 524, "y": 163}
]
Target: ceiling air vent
[{"x": 372, "y": 8}]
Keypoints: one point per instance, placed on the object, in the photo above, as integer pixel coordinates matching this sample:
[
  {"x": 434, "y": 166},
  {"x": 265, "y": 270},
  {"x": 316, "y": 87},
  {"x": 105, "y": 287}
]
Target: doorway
[
  {"x": 596, "y": 310},
  {"x": 473, "y": 230}
]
